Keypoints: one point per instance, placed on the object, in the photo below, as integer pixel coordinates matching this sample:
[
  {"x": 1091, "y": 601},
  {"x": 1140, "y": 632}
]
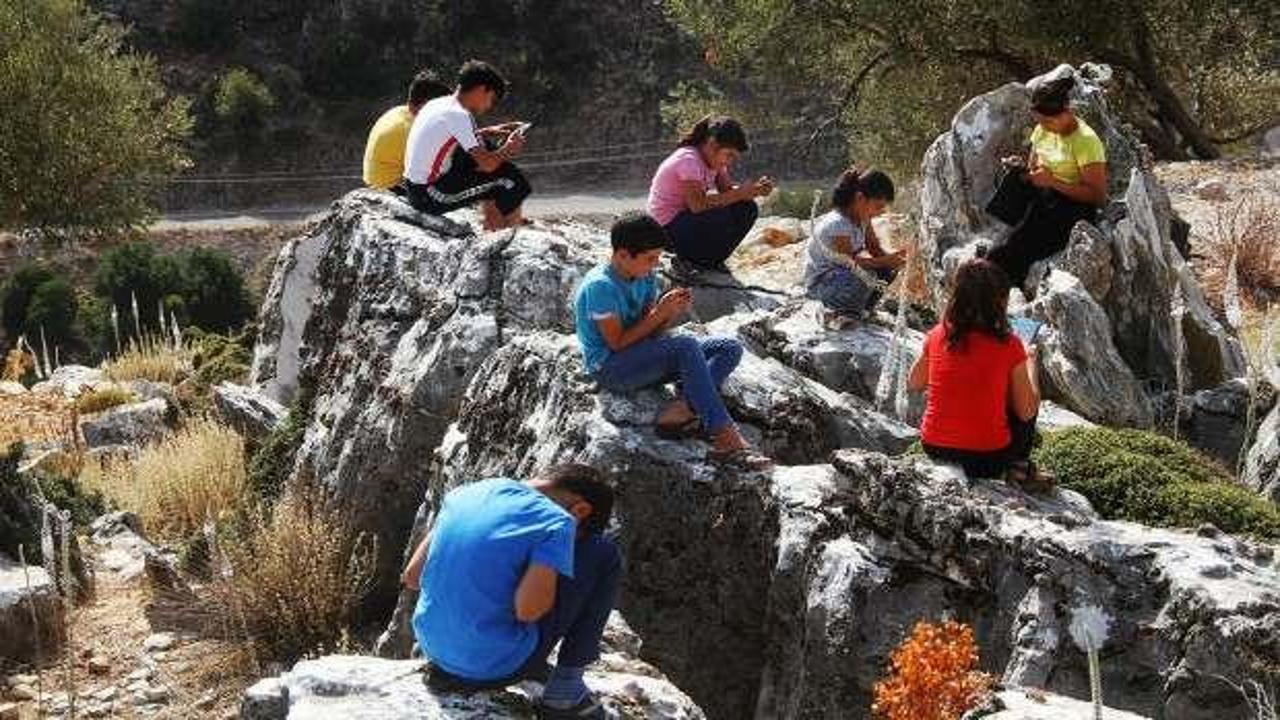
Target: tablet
[{"x": 1025, "y": 328}]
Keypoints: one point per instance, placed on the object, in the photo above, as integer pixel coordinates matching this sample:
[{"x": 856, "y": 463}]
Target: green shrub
[
  {"x": 135, "y": 270},
  {"x": 273, "y": 461},
  {"x": 19, "y": 513},
  {"x": 220, "y": 357},
  {"x": 242, "y": 102},
  {"x": 1148, "y": 478},
  {"x": 16, "y": 295},
  {"x": 96, "y": 401},
  {"x": 213, "y": 291}
]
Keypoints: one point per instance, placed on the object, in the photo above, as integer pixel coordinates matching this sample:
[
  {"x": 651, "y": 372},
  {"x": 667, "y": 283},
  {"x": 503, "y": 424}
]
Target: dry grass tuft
[
  {"x": 288, "y": 582},
  {"x": 152, "y": 358},
  {"x": 178, "y": 484},
  {"x": 1248, "y": 230},
  {"x": 36, "y": 417},
  {"x": 95, "y": 401}
]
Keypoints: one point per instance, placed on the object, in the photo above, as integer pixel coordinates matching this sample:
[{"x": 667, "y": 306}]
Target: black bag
[{"x": 1014, "y": 196}]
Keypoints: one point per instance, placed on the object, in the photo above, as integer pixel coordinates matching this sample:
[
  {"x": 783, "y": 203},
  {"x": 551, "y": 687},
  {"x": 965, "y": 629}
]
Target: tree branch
[{"x": 850, "y": 97}]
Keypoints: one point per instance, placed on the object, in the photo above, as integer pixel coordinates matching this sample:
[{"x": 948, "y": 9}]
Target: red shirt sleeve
[{"x": 1017, "y": 351}]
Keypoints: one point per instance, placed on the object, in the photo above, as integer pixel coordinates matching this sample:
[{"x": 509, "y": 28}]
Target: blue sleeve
[
  {"x": 556, "y": 549},
  {"x": 599, "y": 301}
]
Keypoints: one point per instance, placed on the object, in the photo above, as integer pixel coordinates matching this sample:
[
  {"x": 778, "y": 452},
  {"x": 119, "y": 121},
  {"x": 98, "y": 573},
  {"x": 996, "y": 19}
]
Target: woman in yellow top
[{"x": 1067, "y": 167}]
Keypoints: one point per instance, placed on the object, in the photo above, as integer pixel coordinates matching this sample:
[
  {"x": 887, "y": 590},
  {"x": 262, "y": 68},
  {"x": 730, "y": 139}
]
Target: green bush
[
  {"x": 242, "y": 102},
  {"x": 201, "y": 288},
  {"x": 16, "y": 294},
  {"x": 53, "y": 309},
  {"x": 221, "y": 357},
  {"x": 213, "y": 291},
  {"x": 135, "y": 270},
  {"x": 19, "y": 513},
  {"x": 88, "y": 128},
  {"x": 271, "y": 464},
  {"x": 1148, "y": 478}
]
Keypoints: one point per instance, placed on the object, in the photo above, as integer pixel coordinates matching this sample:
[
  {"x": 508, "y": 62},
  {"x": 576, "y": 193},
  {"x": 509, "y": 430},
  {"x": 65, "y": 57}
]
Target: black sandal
[{"x": 690, "y": 428}]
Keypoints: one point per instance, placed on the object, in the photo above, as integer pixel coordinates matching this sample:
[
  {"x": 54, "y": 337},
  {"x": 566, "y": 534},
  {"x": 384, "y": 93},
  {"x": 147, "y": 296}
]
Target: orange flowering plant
[{"x": 933, "y": 675}]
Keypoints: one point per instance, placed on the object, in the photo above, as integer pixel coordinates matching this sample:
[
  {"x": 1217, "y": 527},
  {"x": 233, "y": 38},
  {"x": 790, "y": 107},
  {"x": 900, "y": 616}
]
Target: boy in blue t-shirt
[
  {"x": 620, "y": 318},
  {"x": 510, "y": 569}
]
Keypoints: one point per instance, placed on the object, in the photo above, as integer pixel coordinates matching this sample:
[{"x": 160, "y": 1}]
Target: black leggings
[
  {"x": 994, "y": 463},
  {"x": 1043, "y": 233},
  {"x": 708, "y": 238},
  {"x": 465, "y": 184}
]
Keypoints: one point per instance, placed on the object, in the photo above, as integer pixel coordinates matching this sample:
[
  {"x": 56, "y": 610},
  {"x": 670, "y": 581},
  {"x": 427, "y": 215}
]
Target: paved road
[{"x": 536, "y": 206}]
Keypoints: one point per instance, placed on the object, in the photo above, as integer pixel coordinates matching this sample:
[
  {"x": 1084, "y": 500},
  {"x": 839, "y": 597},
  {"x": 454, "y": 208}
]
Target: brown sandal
[
  {"x": 744, "y": 458},
  {"x": 1027, "y": 476},
  {"x": 690, "y": 428}
]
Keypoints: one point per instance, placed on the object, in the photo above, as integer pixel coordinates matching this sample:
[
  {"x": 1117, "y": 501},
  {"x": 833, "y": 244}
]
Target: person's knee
[
  {"x": 728, "y": 348},
  {"x": 600, "y": 552},
  {"x": 686, "y": 346}
]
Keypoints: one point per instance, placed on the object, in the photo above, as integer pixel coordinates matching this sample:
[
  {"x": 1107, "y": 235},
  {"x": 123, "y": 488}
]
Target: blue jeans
[
  {"x": 701, "y": 366},
  {"x": 708, "y": 238},
  {"x": 844, "y": 292},
  {"x": 583, "y": 604}
]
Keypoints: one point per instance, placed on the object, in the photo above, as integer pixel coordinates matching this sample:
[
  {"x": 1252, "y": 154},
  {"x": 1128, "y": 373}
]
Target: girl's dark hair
[
  {"x": 871, "y": 183},
  {"x": 723, "y": 129},
  {"x": 588, "y": 483},
  {"x": 979, "y": 294},
  {"x": 1052, "y": 97},
  {"x": 426, "y": 86}
]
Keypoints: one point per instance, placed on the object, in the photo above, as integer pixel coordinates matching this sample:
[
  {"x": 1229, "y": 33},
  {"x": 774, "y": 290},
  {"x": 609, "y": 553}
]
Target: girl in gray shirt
[{"x": 844, "y": 263}]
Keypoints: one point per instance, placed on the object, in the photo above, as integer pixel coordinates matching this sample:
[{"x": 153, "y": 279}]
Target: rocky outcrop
[
  {"x": 1262, "y": 464},
  {"x": 135, "y": 424},
  {"x": 1220, "y": 420},
  {"x": 250, "y": 412},
  {"x": 28, "y": 595},
  {"x": 780, "y": 595},
  {"x": 1026, "y": 704},
  {"x": 1079, "y": 366},
  {"x": 1129, "y": 263},
  {"x": 352, "y": 686},
  {"x": 71, "y": 380}
]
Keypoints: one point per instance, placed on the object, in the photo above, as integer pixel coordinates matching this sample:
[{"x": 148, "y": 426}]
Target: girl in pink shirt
[{"x": 692, "y": 196}]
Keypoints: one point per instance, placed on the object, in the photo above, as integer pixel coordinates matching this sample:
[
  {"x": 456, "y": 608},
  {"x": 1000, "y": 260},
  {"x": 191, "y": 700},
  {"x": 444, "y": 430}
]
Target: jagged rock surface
[
  {"x": 377, "y": 689},
  {"x": 1219, "y": 420},
  {"x": 251, "y": 412},
  {"x": 135, "y": 424},
  {"x": 1262, "y": 464},
  {"x": 1129, "y": 263},
  {"x": 24, "y": 592},
  {"x": 780, "y": 595}
]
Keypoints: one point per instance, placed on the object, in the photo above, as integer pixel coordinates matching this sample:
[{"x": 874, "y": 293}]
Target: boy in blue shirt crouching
[
  {"x": 620, "y": 320},
  {"x": 509, "y": 570}
]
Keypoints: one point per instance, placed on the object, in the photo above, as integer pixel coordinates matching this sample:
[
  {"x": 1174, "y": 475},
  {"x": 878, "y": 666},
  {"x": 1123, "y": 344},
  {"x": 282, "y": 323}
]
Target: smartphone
[
  {"x": 524, "y": 126},
  {"x": 1025, "y": 328}
]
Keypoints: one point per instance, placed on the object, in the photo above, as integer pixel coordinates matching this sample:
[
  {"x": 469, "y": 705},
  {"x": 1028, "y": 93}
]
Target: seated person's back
[
  {"x": 485, "y": 537},
  {"x": 968, "y": 389},
  {"x": 384, "y": 151}
]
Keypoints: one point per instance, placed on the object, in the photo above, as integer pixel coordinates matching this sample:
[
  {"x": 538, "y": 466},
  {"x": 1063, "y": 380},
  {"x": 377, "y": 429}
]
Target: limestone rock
[
  {"x": 1212, "y": 189},
  {"x": 808, "y": 553},
  {"x": 122, "y": 549},
  {"x": 374, "y": 688},
  {"x": 9, "y": 387},
  {"x": 135, "y": 424},
  {"x": 1079, "y": 365},
  {"x": 846, "y": 360},
  {"x": 22, "y": 591},
  {"x": 1029, "y": 704},
  {"x": 1262, "y": 464},
  {"x": 250, "y": 412},
  {"x": 1137, "y": 236},
  {"x": 71, "y": 380},
  {"x": 1055, "y": 417},
  {"x": 1215, "y": 419}
]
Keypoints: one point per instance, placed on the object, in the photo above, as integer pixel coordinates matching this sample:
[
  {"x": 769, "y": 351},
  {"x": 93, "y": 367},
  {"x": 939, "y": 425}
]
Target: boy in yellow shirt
[
  {"x": 1067, "y": 171},
  {"x": 384, "y": 151}
]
